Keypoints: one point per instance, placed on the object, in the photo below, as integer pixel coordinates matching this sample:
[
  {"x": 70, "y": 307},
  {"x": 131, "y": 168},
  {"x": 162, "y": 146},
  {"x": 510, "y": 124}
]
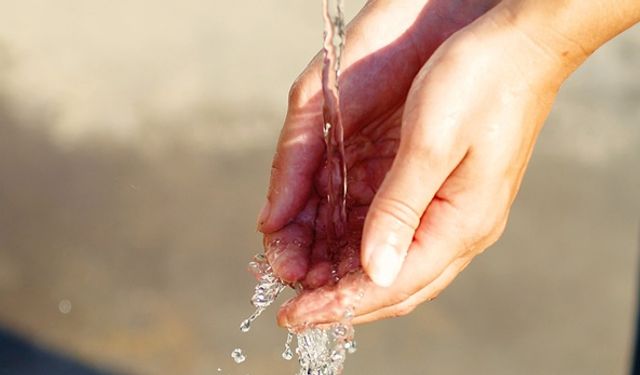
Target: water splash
[
  {"x": 320, "y": 351},
  {"x": 238, "y": 356},
  {"x": 288, "y": 352},
  {"x": 266, "y": 291}
]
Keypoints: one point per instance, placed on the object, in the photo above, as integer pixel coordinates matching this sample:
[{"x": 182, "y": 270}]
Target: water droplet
[
  {"x": 287, "y": 354},
  {"x": 238, "y": 356},
  {"x": 255, "y": 269},
  {"x": 348, "y": 315},
  {"x": 351, "y": 347},
  {"x": 274, "y": 243},
  {"x": 65, "y": 306},
  {"x": 334, "y": 274},
  {"x": 245, "y": 326},
  {"x": 339, "y": 331},
  {"x": 337, "y": 356}
]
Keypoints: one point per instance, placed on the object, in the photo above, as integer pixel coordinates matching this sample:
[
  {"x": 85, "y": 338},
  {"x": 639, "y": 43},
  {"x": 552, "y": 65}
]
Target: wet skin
[
  {"x": 437, "y": 143},
  {"x": 375, "y": 83}
]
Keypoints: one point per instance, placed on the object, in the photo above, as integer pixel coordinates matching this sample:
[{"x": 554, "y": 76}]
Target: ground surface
[{"x": 135, "y": 143}]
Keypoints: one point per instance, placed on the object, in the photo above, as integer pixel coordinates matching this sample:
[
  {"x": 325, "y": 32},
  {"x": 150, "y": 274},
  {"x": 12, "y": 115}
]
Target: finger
[
  {"x": 365, "y": 81},
  {"x": 288, "y": 249},
  {"x": 323, "y": 268},
  {"x": 320, "y": 265},
  {"x": 428, "y": 293},
  {"x": 425, "y": 262},
  {"x": 417, "y": 172},
  {"x": 432, "y": 144},
  {"x": 298, "y": 155},
  {"x": 319, "y": 275}
]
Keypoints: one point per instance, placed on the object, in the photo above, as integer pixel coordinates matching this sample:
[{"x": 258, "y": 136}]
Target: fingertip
[
  {"x": 290, "y": 268},
  {"x": 287, "y": 251},
  {"x": 263, "y": 216},
  {"x": 384, "y": 265},
  {"x": 388, "y": 232},
  {"x": 274, "y": 219},
  {"x": 298, "y": 156},
  {"x": 287, "y": 205},
  {"x": 384, "y": 251},
  {"x": 282, "y": 315}
]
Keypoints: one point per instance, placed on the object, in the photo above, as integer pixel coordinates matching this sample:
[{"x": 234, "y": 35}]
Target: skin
[{"x": 442, "y": 102}]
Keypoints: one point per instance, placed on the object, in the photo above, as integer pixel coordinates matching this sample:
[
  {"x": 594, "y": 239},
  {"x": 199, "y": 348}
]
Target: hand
[
  {"x": 379, "y": 65},
  {"x": 455, "y": 148}
]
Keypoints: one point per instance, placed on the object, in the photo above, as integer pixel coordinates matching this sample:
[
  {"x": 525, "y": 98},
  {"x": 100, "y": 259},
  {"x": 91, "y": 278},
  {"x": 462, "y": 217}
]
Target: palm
[
  {"x": 299, "y": 251},
  {"x": 369, "y": 154},
  {"x": 374, "y": 86}
]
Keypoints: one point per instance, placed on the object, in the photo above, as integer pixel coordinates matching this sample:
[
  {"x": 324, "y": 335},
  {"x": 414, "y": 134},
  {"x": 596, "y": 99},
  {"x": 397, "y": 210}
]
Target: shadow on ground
[{"x": 19, "y": 356}]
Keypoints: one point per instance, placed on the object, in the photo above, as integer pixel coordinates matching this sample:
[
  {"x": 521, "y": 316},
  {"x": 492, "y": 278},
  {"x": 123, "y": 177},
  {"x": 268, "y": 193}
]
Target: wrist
[
  {"x": 516, "y": 53},
  {"x": 571, "y": 30}
]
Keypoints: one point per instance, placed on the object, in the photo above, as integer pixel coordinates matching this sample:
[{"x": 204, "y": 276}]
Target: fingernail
[
  {"x": 264, "y": 213},
  {"x": 385, "y": 264}
]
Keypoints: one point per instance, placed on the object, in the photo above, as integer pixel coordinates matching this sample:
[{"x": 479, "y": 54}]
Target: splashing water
[
  {"x": 320, "y": 351},
  {"x": 288, "y": 353},
  {"x": 238, "y": 356},
  {"x": 266, "y": 292}
]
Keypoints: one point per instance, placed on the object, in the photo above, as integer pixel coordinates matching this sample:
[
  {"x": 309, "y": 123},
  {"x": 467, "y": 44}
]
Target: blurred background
[{"x": 135, "y": 146}]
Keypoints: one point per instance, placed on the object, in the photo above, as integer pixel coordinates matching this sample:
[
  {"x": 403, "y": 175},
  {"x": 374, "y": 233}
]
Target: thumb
[{"x": 396, "y": 211}]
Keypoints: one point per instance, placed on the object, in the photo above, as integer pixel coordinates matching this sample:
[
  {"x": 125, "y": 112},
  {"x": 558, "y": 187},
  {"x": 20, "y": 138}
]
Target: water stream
[
  {"x": 320, "y": 351},
  {"x": 334, "y": 40}
]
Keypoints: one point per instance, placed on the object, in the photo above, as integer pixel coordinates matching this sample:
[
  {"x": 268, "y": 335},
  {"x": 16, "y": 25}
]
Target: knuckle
[
  {"x": 294, "y": 93},
  {"x": 495, "y": 230},
  {"x": 432, "y": 148},
  {"x": 435, "y": 295},
  {"x": 486, "y": 233},
  {"x": 297, "y": 95},
  {"x": 499, "y": 229},
  {"x": 424, "y": 144}
]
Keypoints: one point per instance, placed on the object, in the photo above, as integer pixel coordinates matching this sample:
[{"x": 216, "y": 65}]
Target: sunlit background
[{"x": 135, "y": 146}]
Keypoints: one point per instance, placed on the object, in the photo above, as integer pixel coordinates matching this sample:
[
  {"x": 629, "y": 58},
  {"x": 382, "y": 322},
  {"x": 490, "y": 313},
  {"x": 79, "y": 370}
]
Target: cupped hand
[{"x": 435, "y": 153}]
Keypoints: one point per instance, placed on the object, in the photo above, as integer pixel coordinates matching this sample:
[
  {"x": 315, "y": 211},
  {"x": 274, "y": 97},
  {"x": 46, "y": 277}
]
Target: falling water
[
  {"x": 266, "y": 291},
  {"x": 238, "y": 356},
  {"x": 320, "y": 351},
  {"x": 334, "y": 40}
]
